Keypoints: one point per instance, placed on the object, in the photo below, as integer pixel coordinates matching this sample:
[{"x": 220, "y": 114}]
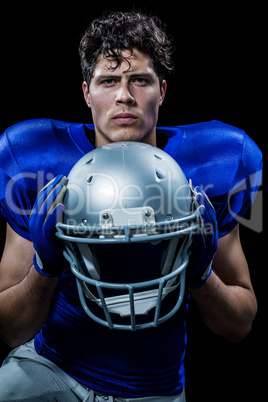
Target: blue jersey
[{"x": 219, "y": 157}]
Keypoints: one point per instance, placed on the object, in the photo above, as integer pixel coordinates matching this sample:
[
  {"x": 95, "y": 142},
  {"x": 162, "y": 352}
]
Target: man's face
[{"x": 125, "y": 101}]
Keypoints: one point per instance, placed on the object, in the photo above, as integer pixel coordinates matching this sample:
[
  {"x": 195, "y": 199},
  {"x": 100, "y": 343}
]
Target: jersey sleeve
[
  {"x": 233, "y": 206},
  {"x": 32, "y": 152},
  {"x": 16, "y": 198}
]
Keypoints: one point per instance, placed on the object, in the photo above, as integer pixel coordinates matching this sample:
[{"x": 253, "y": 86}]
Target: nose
[{"x": 124, "y": 96}]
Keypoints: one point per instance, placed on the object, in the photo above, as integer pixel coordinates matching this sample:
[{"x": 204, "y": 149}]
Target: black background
[{"x": 220, "y": 63}]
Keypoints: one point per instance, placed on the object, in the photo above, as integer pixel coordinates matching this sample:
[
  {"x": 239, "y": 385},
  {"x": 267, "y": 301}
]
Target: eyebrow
[
  {"x": 106, "y": 76},
  {"x": 131, "y": 75}
]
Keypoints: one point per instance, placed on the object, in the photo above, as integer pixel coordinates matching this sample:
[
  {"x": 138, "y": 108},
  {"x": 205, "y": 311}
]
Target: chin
[
  {"x": 125, "y": 134},
  {"x": 129, "y": 135}
]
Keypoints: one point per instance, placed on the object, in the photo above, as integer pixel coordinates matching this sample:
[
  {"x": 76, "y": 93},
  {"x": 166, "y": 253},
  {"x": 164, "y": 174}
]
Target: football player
[{"x": 106, "y": 317}]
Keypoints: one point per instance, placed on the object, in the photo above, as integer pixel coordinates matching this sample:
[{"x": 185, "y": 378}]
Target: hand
[
  {"x": 47, "y": 211},
  {"x": 204, "y": 242}
]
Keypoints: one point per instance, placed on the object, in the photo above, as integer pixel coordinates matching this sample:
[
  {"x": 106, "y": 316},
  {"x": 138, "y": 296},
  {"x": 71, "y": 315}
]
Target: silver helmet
[{"x": 125, "y": 201}]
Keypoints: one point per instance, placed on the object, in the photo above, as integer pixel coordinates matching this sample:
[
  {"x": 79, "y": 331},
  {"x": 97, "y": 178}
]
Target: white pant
[{"x": 27, "y": 376}]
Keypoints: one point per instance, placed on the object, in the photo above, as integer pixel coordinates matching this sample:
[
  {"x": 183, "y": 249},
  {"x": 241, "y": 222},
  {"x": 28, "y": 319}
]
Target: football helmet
[{"x": 127, "y": 203}]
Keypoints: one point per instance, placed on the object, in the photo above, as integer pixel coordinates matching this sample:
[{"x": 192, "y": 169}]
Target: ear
[
  {"x": 86, "y": 93},
  {"x": 163, "y": 89}
]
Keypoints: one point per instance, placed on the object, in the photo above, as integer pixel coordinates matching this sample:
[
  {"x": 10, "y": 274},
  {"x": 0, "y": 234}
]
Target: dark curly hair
[{"x": 119, "y": 31}]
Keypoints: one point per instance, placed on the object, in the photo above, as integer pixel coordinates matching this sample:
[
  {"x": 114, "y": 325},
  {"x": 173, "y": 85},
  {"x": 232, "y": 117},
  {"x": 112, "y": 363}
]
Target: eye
[
  {"x": 108, "y": 82},
  {"x": 140, "y": 81}
]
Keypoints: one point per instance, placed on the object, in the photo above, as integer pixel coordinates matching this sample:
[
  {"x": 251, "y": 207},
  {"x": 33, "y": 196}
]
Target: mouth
[{"x": 125, "y": 118}]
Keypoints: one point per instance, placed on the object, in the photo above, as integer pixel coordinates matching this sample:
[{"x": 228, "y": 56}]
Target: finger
[
  {"x": 204, "y": 215},
  {"x": 52, "y": 182},
  {"x": 42, "y": 195},
  {"x": 53, "y": 218},
  {"x": 207, "y": 227},
  {"x": 47, "y": 198},
  {"x": 202, "y": 198},
  {"x": 57, "y": 199}
]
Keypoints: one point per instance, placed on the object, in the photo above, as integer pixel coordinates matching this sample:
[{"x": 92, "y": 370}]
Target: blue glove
[
  {"x": 204, "y": 242},
  {"x": 47, "y": 211}
]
